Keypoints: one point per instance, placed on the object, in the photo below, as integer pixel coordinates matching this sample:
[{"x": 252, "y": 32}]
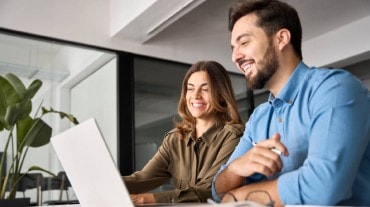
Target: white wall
[
  {"x": 344, "y": 43},
  {"x": 90, "y": 98},
  {"x": 89, "y": 22}
]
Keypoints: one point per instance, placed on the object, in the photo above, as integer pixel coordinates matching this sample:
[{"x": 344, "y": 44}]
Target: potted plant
[{"x": 23, "y": 130}]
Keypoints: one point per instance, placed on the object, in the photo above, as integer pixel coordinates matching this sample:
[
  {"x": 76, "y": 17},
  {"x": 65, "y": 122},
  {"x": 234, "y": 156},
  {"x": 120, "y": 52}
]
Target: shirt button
[{"x": 280, "y": 119}]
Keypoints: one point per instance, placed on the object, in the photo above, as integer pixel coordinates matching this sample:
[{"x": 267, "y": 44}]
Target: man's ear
[{"x": 283, "y": 38}]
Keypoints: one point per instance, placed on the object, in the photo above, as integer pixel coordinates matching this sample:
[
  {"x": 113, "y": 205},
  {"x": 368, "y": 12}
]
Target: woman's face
[{"x": 198, "y": 96}]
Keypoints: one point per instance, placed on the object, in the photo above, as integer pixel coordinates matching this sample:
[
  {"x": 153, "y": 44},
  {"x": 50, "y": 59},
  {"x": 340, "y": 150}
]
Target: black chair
[
  {"x": 59, "y": 182},
  {"x": 30, "y": 181}
]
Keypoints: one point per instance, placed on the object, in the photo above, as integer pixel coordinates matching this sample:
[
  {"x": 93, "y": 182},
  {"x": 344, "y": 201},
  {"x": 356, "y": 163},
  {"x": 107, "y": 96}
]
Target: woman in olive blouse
[{"x": 203, "y": 139}]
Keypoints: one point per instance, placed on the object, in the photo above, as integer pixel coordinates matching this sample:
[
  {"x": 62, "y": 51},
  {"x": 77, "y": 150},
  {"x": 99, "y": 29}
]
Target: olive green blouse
[{"x": 191, "y": 164}]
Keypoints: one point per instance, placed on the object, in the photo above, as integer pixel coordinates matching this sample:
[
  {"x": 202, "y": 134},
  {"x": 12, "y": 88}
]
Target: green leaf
[
  {"x": 8, "y": 95},
  {"x": 3, "y": 124},
  {"x": 34, "y": 133},
  {"x": 33, "y": 88},
  {"x": 37, "y": 168},
  {"x": 4, "y": 88},
  {"x": 17, "y": 84},
  {"x": 18, "y": 111},
  {"x": 23, "y": 126},
  {"x": 62, "y": 115},
  {"x": 11, "y": 109}
]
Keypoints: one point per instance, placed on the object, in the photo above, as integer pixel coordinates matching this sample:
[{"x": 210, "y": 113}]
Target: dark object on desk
[
  {"x": 41, "y": 184},
  {"x": 17, "y": 202},
  {"x": 62, "y": 202},
  {"x": 31, "y": 181},
  {"x": 27, "y": 182},
  {"x": 61, "y": 183}
]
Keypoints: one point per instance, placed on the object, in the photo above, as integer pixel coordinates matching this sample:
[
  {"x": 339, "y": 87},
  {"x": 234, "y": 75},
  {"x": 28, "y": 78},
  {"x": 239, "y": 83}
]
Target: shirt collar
[
  {"x": 208, "y": 135},
  {"x": 290, "y": 90}
]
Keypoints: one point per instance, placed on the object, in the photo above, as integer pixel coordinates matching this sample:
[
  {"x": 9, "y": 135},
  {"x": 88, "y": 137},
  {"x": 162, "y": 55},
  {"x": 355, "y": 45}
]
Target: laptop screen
[{"x": 89, "y": 166}]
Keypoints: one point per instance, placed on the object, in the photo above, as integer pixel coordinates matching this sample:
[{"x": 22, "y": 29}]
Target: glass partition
[{"x": 72, "y": 77}]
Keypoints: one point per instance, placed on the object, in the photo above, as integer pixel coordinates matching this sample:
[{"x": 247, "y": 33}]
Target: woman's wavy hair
[
  {"x": 272, "y": 15},
  {"x": 222, "y": 97}
]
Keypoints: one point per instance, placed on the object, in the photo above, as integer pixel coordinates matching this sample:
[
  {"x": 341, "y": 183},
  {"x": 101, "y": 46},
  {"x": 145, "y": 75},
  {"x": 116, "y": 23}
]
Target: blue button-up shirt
[{"x": 323, "y": 118}]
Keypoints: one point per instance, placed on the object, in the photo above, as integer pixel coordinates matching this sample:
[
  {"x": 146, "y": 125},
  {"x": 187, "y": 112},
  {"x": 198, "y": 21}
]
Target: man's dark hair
[{"x": 272, "y": 15}]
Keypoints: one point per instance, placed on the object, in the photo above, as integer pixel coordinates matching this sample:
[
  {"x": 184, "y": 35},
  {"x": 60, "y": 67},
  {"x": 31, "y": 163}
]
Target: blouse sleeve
[{"x": 154, "y": 173}]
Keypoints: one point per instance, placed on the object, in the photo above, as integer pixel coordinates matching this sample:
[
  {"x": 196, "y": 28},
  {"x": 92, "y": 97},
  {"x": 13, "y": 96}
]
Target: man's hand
[
  {"x": 260, "y": 159},
  {"x": 142, "y": 198}
]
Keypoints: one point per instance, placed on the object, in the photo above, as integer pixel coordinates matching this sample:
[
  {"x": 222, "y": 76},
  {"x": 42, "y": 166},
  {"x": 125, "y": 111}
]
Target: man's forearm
[{"x": 227, "y": 181}]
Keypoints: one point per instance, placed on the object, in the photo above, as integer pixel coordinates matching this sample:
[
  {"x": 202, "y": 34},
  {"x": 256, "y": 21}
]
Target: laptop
[
  {"x": 89, "y": 166},
  {"x": 92, "y": 171}
]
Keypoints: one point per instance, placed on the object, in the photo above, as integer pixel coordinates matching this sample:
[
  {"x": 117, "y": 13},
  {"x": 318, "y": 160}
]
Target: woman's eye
[{"x": 190, "y": 89}]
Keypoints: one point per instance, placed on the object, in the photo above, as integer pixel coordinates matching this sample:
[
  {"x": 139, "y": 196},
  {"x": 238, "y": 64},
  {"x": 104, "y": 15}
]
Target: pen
[{"x": 272, "y": 149}]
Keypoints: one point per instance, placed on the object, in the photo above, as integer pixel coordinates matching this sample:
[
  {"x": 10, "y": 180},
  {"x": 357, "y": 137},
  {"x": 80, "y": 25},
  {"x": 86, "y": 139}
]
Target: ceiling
[
  {"x": 317, "y": 17},
  {"x": 166, "y": 20}
]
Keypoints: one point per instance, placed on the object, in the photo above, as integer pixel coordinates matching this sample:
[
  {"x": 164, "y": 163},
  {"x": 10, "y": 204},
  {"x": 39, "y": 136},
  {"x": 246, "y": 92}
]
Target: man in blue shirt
[{"x": 309, "y": 144}]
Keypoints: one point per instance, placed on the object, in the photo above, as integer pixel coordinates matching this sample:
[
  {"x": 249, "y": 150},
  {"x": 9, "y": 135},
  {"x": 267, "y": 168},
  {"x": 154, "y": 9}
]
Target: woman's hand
[{"x": 142, "y": 198}]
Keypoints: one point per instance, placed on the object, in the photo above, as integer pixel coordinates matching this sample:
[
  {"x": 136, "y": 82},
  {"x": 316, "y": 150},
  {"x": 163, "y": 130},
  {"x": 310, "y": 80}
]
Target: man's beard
[{"x": 268, "y": 66}]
